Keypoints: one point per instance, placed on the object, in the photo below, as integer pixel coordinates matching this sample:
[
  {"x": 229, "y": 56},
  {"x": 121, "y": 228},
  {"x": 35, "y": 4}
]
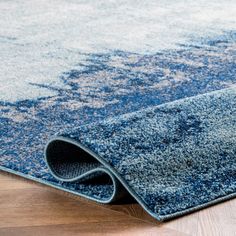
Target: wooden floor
[{"x": 29, "y": 208}]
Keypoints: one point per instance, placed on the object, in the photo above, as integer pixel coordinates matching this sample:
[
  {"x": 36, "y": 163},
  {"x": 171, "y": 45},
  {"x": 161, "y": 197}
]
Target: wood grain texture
[{"x": 29, "y": 208}]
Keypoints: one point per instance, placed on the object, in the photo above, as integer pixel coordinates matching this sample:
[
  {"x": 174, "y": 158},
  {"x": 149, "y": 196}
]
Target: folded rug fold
[{"x": 173, "y": 158}]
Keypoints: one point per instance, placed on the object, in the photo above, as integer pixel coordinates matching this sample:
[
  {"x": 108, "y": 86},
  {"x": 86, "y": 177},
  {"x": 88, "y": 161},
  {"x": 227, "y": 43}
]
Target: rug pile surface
[{"x": 109, "y": 98}]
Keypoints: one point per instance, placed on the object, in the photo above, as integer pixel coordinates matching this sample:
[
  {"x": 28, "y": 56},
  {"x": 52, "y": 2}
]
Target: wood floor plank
[
  {"x": 187, "y": 224},
  {"x": 217, "y": 220},
  {"x": 8, "y": 182},
  {"x": 43, "y": 211},
  {"x": 122, "y": 228},
  {"x": 29, "y": 208},
  {"x": 135, "y": 210},
  {"x": 28, "y": 197},
  {"x": 57, "y": 213}
]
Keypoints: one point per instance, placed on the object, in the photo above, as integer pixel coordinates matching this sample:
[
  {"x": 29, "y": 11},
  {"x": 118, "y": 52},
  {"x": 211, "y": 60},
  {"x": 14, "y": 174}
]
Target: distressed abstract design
[{"x": 147, "y": 108}]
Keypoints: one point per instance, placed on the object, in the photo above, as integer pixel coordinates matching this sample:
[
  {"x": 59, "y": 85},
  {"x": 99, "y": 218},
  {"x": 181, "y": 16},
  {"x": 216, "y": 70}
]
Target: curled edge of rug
[{"x": 173, "y": 158}]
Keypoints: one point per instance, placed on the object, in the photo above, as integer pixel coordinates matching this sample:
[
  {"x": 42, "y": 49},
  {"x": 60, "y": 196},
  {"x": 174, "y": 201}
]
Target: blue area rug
[{"x": 109, "y": 98}]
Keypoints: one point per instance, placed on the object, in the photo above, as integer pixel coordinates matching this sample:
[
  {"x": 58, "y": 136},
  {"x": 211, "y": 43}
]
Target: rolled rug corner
[{"x": 173, "y": 158}]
